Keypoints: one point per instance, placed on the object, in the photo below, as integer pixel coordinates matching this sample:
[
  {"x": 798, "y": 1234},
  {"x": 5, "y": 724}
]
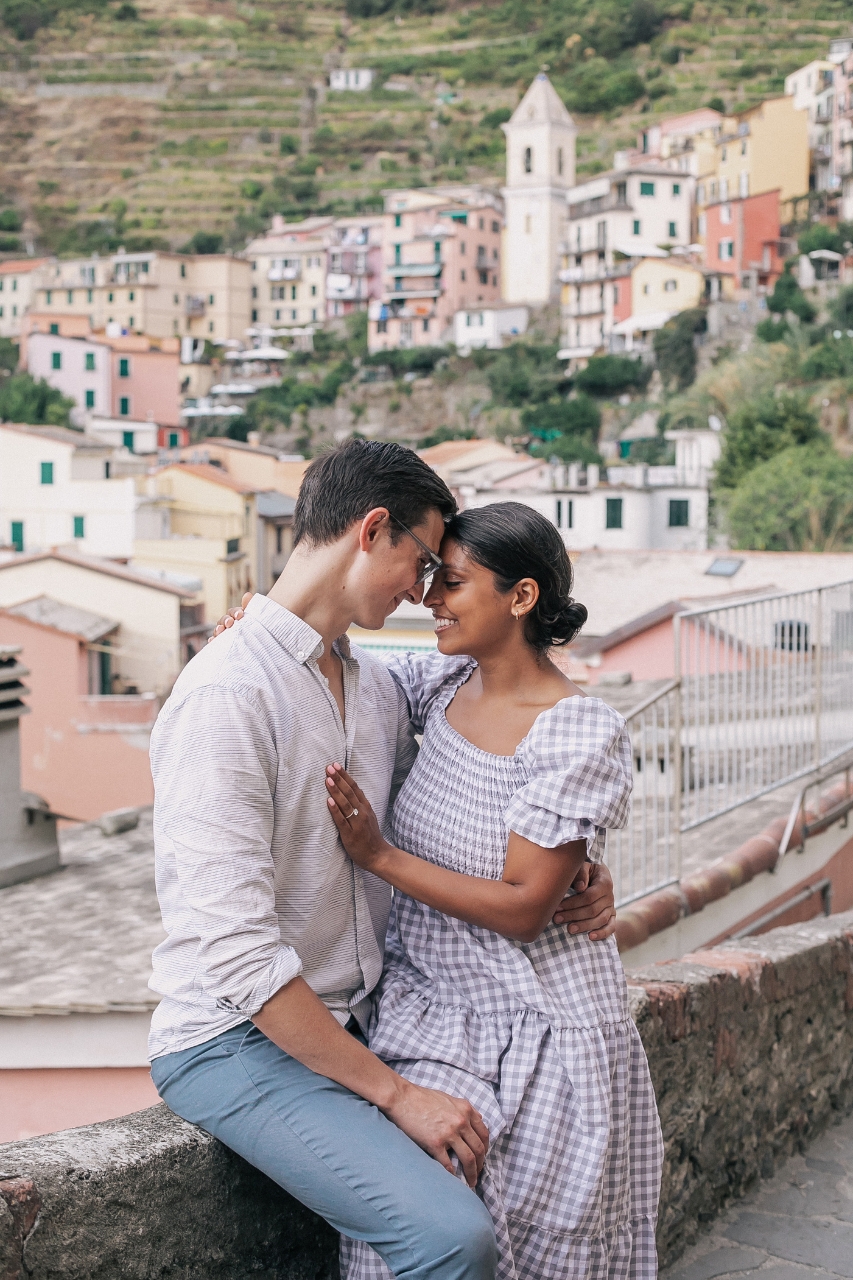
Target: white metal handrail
[{"x": 762, "y": 695}]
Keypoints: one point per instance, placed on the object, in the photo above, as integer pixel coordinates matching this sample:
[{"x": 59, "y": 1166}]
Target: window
[
  {"x": 565, "y": 513},
  {"x": 528, "y": 160},
  {"x": 69, "y": 294},
  {"x": 679, "y": 513},
  {"x": 743, "y": 147},
  {"x": 109, "y": 297},
  {"x": 124, "y": 367},
  {"x": 398, "y": 249},
  {"x": 398, "y": 219},
  {"x": 90, "y": 295},
  {"x": 496, "y": 227},
  {"x": 462, "y": 275},
  {"x": 613, "y": 517},
  {"x": 672, "y": 230},
  {"x": 425, "y": 326},
  {"x": 726, "y": 250},
  {"x": 56, "y": 359},
  {"x": 646, "y": 288},
  {"x": 90, "y": 399},
  {"x": 560, "y": 161},
  {"x": 90, "y": 361},
  {"x": 313, "y": 313},
  {"x": 601, "y": 235},
  {"x": 293, "y": 293},
  {"x": 210, "y": 299},
  {"x": 700, "y": 193},
  {"x": 47, "y": 473},
  {"x": 381, "y": 326},
  {"x": 647, "y": 188},
  {"x": 724, "y": 567},
  {"x": 1, "y": 313},
  {"x": 676, "y": 188},
  {"x": 127, "y": 440},
  {"x": 174, "y": 439},
  {"x": 17, "y": 535},
  {"x": 54, "y": 328},
  {"x": 616, "y": 295},
  {"x": 79, "y": 526},
  {"x": 461, "y": 246},
  {"x": 483, "y": 276},
  {"x": 724, "y": 188},
  {"x": 670, "y": 286},
  {"x": 130, "y": 296},
  {"x": 124, "y": 406},
  {"x": 130, "y": 322},
  {"x": 723, "y": 154},
  {"x": 183, "y": 275},
  {"x": 725, "y": 214},
  {"x": 254, "y": 316},
  {"x": 254, "y": 293},
  {"x": 636, "y": 226},
  {"x": 210, "y": 326},
  {"x": 528, "y": 224},
  {"x": 48, "y": 297},
  {"x": 313, "y": 291},
  {"x": 232, "y": 547},
  {"x": 621, "y": 192},
  {"x": 406, "y": 331},
  {"x": 481, "y": 224},
  {"x": 743, "y": 185}
]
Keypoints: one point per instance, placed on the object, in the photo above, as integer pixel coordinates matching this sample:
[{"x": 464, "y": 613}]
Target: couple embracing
[{"x": 448, "y": 1073}]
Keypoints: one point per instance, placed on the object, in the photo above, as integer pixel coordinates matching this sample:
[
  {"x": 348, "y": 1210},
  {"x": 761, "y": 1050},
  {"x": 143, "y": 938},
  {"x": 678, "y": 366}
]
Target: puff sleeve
[
  {"x": 422, "y": 676},
  {"x": 578, "y": 756}
]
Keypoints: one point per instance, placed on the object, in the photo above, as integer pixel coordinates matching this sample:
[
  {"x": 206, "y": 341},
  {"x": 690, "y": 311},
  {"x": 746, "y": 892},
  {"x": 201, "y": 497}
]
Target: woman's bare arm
[{"x": 518, "y": 906}]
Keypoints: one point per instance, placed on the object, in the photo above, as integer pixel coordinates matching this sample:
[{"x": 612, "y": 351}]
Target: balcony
[
  {"x": 414, "y": 270},
  {"x": 291, "y": 272},
  {"x": 194, "y": 306},
  {"x": 396, "y": 295},
  {"x": 599, "y": 204}
]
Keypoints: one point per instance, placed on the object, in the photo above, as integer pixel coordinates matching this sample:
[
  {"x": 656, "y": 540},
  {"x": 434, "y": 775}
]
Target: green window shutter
[
  {"x": 90, "y": 361},
  {"x": 614, "y": 513},
  {"x": 647, "y": 188},
  {"x": 127, "y": 440},
  {"x": 47, "y": 473},
  {"x": 17, "y": 532},
  {"x": 79, "y": 526},
  {"x": 54, "y": 330},
  {"x": 90, "y": 399},
  {"x": 174, "y": 440},
  {"x": 124, "y": 407},
  {"x": 56, "y": 359},
  {"x": 124, "y": 367},
  {"x": 672, "y": 230},
  {"x": 636, "y": 226},
  {"x": 679, "y": 513}
]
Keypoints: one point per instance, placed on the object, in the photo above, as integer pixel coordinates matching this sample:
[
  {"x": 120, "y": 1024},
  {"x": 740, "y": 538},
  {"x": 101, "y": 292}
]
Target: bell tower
[{"x": 540, "y": 169}]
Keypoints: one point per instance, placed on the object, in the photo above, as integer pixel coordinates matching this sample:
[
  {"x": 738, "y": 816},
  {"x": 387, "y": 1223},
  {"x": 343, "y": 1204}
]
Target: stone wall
[{"x": 751, "y": 1050}]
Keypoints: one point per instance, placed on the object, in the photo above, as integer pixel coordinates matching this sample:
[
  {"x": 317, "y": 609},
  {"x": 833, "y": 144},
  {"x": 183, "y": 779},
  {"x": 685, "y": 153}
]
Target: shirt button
[{"x": 301, "y": 653}]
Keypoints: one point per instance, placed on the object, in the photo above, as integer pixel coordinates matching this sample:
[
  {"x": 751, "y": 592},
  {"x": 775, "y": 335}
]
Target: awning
[{"x": 643, "y": 324}]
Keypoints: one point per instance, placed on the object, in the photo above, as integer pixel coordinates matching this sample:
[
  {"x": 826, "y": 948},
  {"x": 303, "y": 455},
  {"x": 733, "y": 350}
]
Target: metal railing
[{"x": 762, "y": 695}]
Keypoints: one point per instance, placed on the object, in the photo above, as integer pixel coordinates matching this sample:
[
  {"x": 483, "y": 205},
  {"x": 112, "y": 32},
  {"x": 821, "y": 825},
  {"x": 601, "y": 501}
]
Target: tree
[
  {"x": 8, "y": 355},
  {"x": 800, "y": 500},
  {"x": 761, "y": 428},
  {"x": 788, "y": 296},
  {"x": 204, "y": 242},
  {"x": 564, "y": 429},
  {"x": 675, "y": 349},
  {"x": 22, "y": 399},
  {"x": 841, "y": 308}
]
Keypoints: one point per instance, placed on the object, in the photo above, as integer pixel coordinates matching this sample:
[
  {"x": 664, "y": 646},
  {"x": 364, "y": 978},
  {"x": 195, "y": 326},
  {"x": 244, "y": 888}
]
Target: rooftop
[
  {"x": 13, "y": 560},
  {"x": 60, "y": 435},
  {"x": 206, "y": 471},
  {"x": 47, "y": 612},
  {"x": 83, "y": 935},
  {"x": 21, "y": 266}
]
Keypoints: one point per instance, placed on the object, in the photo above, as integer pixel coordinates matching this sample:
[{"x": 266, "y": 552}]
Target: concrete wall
[{"x": 751, "y": 1052}]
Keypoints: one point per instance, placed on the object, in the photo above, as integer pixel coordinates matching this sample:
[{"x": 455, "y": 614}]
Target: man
[{"x": 274, "y": 939}]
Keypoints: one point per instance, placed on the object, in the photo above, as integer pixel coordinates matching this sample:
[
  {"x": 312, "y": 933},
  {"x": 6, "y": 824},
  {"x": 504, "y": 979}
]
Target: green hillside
[{"x": 218, "y": 114}]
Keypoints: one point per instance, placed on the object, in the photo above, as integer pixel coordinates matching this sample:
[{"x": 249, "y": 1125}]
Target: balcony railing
[
  {"x": 194, "y": 306},
  {"x": 285, "y": 273},
  {"x": 599, "y": 204},
  {"x": 414, "y": 269},
  {"x": 762, "y": 695}
]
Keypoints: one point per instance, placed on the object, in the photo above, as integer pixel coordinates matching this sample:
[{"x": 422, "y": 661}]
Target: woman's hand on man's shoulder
[{"x": 233, "y": 615}]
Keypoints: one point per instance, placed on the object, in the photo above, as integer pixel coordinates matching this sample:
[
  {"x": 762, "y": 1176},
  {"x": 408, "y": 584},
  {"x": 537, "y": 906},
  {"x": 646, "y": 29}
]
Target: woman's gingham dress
[{"x": 536, "y": 1035}]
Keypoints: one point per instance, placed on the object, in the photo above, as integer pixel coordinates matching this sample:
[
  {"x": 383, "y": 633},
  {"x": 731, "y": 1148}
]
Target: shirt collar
[{"x": 300, "y": 640}]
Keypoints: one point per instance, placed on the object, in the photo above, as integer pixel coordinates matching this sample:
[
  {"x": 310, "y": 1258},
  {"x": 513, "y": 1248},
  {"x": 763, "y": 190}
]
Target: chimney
[{"x": 28, "y": 845}]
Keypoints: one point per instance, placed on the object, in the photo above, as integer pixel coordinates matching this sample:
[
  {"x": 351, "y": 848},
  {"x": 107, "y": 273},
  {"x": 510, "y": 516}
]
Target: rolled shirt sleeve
[{"x": 218, "y": 820}]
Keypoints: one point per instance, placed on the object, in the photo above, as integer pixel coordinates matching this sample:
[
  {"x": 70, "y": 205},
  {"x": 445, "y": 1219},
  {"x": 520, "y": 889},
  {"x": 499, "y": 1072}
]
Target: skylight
[{"x": 724, "y": 567}]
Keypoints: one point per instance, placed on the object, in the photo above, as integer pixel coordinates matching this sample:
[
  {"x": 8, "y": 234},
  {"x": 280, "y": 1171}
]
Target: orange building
[{"x": 742, "y": 236}]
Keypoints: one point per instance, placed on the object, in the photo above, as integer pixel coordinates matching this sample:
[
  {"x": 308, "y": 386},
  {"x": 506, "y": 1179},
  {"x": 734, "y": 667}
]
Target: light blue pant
[{"x": 333, "y": 1151}]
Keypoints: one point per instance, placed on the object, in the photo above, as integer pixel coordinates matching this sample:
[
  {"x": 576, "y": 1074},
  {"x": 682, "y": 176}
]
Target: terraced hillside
[{"x": 145, "y": 125}]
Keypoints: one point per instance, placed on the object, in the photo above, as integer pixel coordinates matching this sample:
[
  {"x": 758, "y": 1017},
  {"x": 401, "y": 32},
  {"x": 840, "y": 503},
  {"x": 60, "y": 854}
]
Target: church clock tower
[{"x": 540, "y": 168}]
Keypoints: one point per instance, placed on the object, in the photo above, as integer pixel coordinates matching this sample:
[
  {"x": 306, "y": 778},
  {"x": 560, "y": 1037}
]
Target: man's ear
[{"x": 371, "y": 527}]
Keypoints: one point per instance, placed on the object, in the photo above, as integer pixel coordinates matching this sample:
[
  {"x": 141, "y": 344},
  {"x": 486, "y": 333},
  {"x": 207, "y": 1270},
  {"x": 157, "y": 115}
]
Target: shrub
[
  {"x": 579, "y": 416},
  {"x": 251, "y": 189},
  {"x": 610, "y": 375},
  {"x": 841, "y": 308},
  {"x": 675, "y": 349},
  {"x": 788, "y": 296},
  {"x": 773, "y": 329},
  {"x": 288, "y": 145},
  {"x": 22, "y": 399},
  {"x": 494, "y": 119},
  {"x": 10, "y": 220},
  {"x": 203, "y": 242},
  {"x": 800, "y": 500},
  {"x": 8, "y": 355},
  {"x": 443, "y": 434},
  {"x": 717, "y": 104}
]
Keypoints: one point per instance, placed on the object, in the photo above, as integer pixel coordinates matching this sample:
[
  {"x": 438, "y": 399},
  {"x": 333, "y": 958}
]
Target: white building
[
  {"x": 540, "y": 170},
  {"x": 121, "y": 433},
  {"x": 56, "y": 490},
  {"x": 635, "y": 508},
  {"x": 17, "y": 277},
  {"x": 289, "y": 272},
  {"x": 637, "y": 211},
  {"x": 356, "y": 79},
  {"x": 487, "y": 327}
]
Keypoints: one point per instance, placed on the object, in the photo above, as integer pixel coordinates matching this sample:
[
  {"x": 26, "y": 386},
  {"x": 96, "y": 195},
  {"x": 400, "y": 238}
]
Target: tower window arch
[{"x": 528, "y": 159}]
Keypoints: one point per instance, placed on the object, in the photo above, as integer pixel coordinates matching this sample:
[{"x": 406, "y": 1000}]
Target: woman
[{"x": 518, "y": 776}]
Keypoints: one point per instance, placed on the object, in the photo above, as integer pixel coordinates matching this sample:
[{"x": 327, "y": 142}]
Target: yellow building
[
  {"x": 665, "y": 284},
  {"x": 288, "y": 267},
  {"x": 195, "y": 519},
  {"x": 159, "y": 294},
  {"x": 254, "y": 465},
  {"x": 761, "y": 150}
]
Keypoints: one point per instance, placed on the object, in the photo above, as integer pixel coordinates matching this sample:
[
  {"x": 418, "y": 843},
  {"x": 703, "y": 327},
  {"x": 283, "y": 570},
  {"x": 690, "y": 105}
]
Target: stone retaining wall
[{"x": 751, "y": 1051}]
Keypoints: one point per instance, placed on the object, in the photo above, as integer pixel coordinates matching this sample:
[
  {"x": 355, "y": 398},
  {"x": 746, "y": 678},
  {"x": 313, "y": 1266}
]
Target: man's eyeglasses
[{"x": 433, "y": 564}]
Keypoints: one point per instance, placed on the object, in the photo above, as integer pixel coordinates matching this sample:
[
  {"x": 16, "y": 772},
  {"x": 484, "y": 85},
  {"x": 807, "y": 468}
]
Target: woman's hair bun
[{"x": 513, "y": 541}]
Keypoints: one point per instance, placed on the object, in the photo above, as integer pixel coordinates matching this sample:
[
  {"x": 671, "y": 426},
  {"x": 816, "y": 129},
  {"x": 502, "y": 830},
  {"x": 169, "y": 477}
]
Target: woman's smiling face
[{"x": 471, "y": 615}]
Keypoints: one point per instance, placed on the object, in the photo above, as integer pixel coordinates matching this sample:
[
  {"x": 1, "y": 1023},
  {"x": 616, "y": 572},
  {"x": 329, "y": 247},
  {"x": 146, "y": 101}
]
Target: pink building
[
  {"x": 742, "y": 236},
  {"x": 442, "y": 255},
  {"x": 136, "y": 378},
  {"x": 354, "y": 260},
  {"x": 83, "y": 748}
]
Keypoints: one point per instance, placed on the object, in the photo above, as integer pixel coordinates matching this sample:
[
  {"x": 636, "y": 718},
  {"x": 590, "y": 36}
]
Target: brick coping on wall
[
  {"x": 750, "y": 1047},
  {"x": 658, "y": 911}
]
